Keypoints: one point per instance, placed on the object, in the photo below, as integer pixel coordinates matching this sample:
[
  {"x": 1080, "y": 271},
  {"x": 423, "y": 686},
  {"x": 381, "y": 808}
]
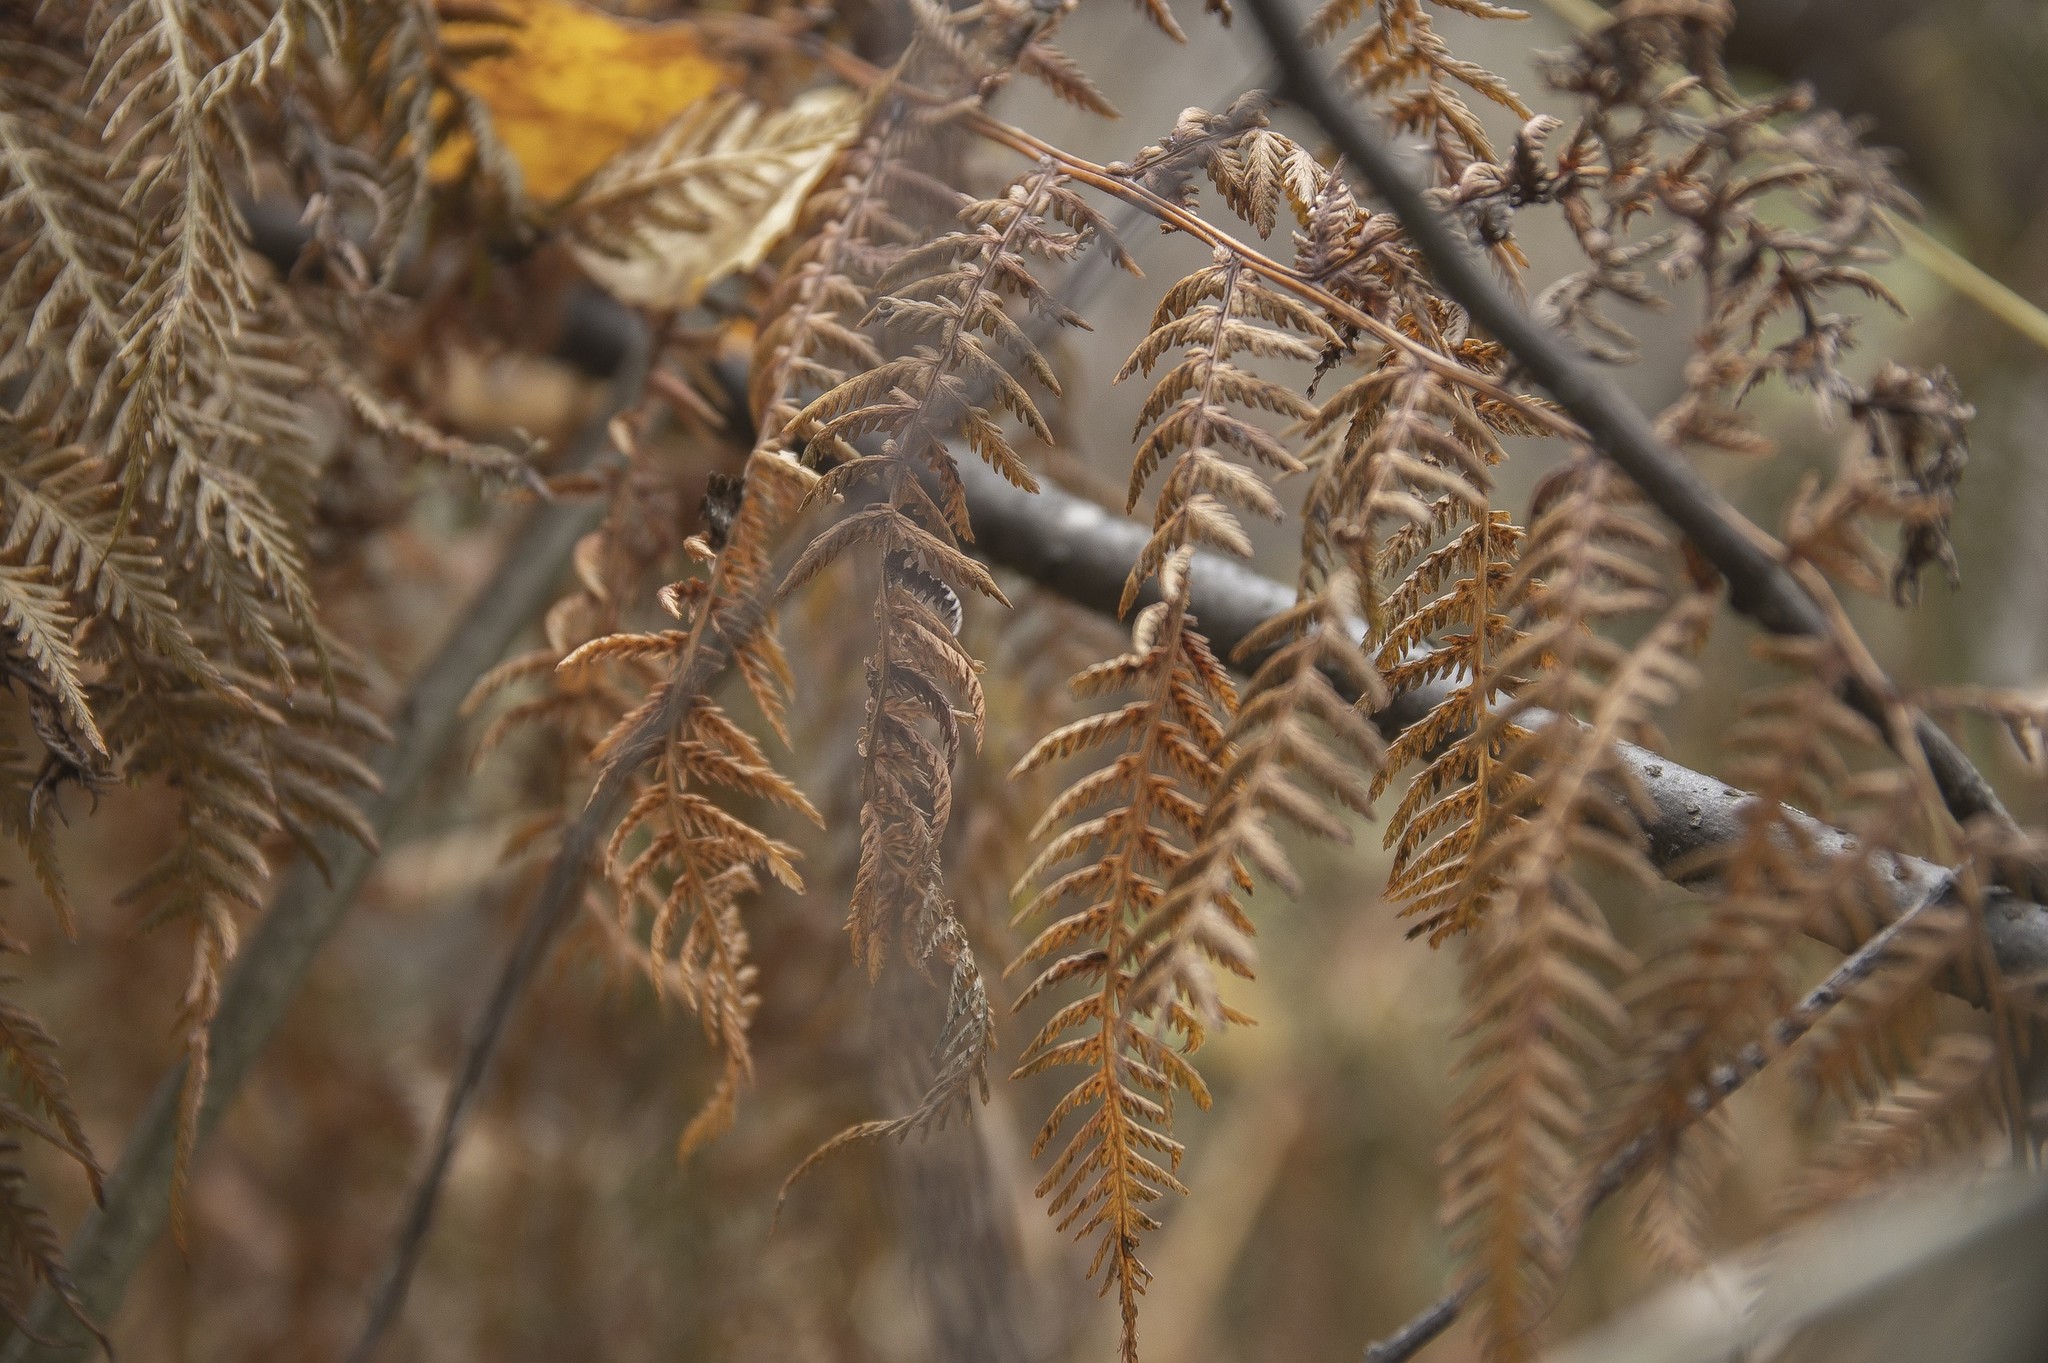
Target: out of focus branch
[
  {"x": 550, "y": 913},
  {"x": 111, "y": 1242}
]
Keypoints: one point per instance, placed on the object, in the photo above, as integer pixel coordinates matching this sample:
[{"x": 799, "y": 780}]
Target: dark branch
[
  {"x": 551, "y": 912},
  {"x": 1759, "y": 585}
]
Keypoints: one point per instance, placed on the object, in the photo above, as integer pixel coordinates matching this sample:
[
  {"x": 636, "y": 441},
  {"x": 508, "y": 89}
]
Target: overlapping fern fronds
[
  {"x": 677, "y": 854},
  {"x": 1401, "y": 49},
  {"x": 1542, "y": 1016}
]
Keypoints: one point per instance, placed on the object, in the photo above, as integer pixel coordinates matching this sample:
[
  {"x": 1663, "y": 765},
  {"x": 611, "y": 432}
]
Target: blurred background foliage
[{"x": 571, "y": 1229}]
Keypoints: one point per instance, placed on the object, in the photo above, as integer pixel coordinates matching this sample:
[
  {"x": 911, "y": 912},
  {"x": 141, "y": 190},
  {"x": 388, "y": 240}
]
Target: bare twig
[
  {"x": 1759, "y": 584},
  {"x": 1721, "y": 1084},
  {"x": 552, "y": 910}
]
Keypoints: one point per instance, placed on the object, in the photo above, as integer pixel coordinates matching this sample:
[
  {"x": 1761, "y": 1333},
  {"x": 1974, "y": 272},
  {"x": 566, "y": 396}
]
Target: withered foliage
[{"x": 168, "y": 402}]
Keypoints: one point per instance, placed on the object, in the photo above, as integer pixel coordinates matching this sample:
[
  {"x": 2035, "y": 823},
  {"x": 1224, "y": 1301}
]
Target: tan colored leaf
[{"x": 706, "y": 196}]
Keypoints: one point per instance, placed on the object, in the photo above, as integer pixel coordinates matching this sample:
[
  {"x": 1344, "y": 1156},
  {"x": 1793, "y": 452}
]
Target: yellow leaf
[
  {"x": 706, "y": 196},
  {"x": 568, "y": 87}
]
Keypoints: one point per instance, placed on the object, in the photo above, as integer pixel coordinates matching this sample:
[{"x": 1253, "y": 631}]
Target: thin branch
[
  {"x": 1759, "y": 584},
  {"x": 1721, "y": 1084},
  {"x": 552, "y": 911},
  {"x": 112, "y": 1240}
]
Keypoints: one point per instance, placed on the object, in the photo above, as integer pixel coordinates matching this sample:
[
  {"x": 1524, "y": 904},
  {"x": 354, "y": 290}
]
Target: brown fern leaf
[
  {"x": 950, "y": 294},
  {"x": 810, "y": 340},
  {"x": 1542, "y": 1014},
  {"x": 68, "y": 240},
  {"x": 31, "y": 1254},
  {"x": 1057, "y": 70},
  {"x": 1677, "y": 1194},
  {"x": 36, "y": 1103},
  {"x": 1718, "y": 184},
  {"x": 1946, "y": 1104},
  {"x": 924, "y": 695},
  {"x": 1721, "y": 989},
  {"x": 924, "y": 698},
  {"x": 1282, "y": 769},
  {"x": 1454, "y": 804},
  {"x": 1163, "y": 772},
  {"x": 23, "y": 792},
  {"x": 1414, "y": 454},
  {"x": 1361, "y": 256},
  {"x": 249, "y": 762},
  {"x": 1216, "y": 313},
  {"x": 1402, "y": 50},
  {"x": 679, "y": 863},
  {"x": 1254, "y": 168},
  {"x": 1539, "y": 1015}
]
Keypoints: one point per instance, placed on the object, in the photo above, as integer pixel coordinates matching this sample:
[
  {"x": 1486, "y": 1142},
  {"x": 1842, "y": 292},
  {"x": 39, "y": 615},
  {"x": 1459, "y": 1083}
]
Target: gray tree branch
[{"x": 1082, "y": 552}]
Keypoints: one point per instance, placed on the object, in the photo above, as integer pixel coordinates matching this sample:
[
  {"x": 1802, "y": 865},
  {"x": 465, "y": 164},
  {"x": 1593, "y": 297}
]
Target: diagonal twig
[
  {"x": 1721, "y": 1084},
  {"x": 552, "y": 910},
  {"x": 1759, "y": 584},
  {"x": 111, "y": 1242}
]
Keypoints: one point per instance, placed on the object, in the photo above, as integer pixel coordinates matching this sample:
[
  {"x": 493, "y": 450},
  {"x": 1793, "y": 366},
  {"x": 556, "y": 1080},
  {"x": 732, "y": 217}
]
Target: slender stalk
[
  {"x": 1721, "y": 1085},
  {"x": 551, "y": 912}
]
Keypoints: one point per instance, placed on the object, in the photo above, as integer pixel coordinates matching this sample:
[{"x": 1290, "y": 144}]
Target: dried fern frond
[
  {"x": 36, "y": 1105},
  {"x": 1945, "y": 1104},
  {"x": 1457, "y": 801},
  {"x": 707, "y": 196},
  {"x": 1395, "y": 449},
  {"x": 1716, "y": 186},
  {"x": 950, "y": 294},
  {"x": 1188, "y": 422},
  {"x": 810, "y": 338},
  {"x": 680, "y": 863},
  {"x": 1165, "y": 765},
  {"x": 1254, "y": 168},
  {"x": 1300, "y": 754},
  {"x": 1542, "y": 1014},
  {"x": 250, "y": 762},
  {"x": 923, "y": 693},
  {"x": 1401, "y": 50},
  {"x": 1723, "y": 986}
]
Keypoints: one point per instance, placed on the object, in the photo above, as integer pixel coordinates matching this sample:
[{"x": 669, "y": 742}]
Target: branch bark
[{"x": 1082, "y": 552}]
